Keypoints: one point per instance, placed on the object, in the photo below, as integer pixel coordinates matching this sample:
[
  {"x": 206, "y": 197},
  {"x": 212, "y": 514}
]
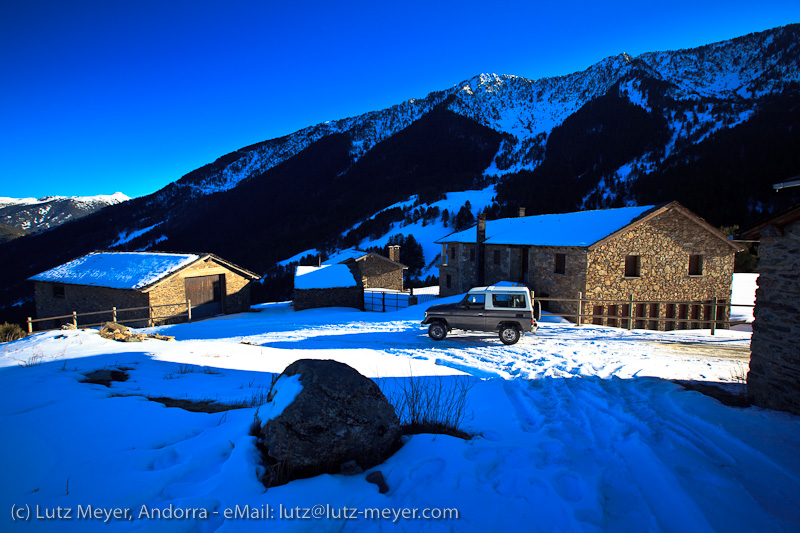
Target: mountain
[
  {"x": 32, "y": 215},
  {"x": 711, "y": 127}
]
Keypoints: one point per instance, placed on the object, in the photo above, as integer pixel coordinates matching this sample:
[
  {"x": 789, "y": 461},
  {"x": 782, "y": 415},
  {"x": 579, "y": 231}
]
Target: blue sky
[{"x": 104, "y": 96}]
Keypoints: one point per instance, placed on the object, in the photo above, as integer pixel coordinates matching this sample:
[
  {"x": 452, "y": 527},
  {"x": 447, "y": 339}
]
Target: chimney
[
  {"x": 394, "y": 253},
  {"x": 522, "y": 211},
  {"x": 479, "y": 274}
]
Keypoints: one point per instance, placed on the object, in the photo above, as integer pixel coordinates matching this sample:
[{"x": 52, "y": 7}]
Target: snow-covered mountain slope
[
  {"x": 738, "y": 70},
  {"x": 425, "y": 230},
  {"x": 32, "y": 215}
]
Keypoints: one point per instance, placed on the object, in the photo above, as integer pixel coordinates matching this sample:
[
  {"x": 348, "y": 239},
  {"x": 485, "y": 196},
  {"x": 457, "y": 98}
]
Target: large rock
[{"x": 338, "y": 417}]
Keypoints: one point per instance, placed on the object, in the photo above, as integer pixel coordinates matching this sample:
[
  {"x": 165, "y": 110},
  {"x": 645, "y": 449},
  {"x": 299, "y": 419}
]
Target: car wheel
[
  {"x": 509, "y": 334},
  {"x": 437, "y": 331}
]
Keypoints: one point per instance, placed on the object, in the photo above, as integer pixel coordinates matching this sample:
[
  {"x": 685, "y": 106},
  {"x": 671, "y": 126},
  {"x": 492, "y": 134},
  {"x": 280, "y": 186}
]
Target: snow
[
  {"x": 743, "y": 294},
  {"x": 344, "y": 255},
  {"x": 126, "y": 237},
  {"x": 117, "y": 270},
  {"x": 579, "y": 429},
  {"x": 581, "y": 228},
  {"x": 115, "y": 198},
  {"x": 323, "y": 277}
]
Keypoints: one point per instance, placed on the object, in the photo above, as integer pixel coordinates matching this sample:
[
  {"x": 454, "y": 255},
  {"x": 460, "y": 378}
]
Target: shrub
[
  {"x": 11, "y": 332},
  {"x": 432, "y": 404}
]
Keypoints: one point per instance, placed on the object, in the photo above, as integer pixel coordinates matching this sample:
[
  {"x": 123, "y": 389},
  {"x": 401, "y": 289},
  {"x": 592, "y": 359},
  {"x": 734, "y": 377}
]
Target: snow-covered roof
[
  {"x": 118, "y": 270},
  {"x": 581, "y": 228},
  {"x": 323, "y": 277}
]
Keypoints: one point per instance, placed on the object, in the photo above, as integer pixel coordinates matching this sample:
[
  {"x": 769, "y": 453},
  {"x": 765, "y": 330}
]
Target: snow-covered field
[{"x": 579, "y": 429}]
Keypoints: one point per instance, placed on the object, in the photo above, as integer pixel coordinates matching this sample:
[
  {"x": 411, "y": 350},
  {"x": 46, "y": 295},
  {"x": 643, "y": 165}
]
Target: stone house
[
  {"x": 337, "y": 285},
  {"x": 774, "y": 377},
  {"x": 340, "y": 281},
  {"x": 645, "y": 254},
  {"x": 376, "y": 271},
  {"x": 159, "y": 284}
]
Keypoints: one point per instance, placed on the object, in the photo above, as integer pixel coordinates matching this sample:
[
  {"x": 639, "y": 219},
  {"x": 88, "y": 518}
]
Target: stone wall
[
  {"x": 173, "y": 291},
  {"x": 545, "y": 282},
  {"x": 377, "y": 273},
  {"x": 85, "y": 299},
  {"x": 338, "y": 297},
  {"x": 663, "y": 245},
  {"x": 461, "y": 269},
  {"x": 500, "y": 270},
  {"x": 774, "y": 377}
]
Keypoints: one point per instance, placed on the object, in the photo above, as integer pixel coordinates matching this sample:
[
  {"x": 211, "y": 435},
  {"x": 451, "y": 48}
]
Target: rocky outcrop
[{"x": 339, "y": 417}]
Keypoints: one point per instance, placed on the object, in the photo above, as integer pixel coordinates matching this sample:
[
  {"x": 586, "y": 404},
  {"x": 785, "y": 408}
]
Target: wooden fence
[
  {"x": 115, "y": 312},
  {"x": 646, "y": 314}
]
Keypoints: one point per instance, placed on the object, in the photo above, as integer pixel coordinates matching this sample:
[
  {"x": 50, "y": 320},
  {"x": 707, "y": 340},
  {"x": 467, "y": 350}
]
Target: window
[
  {"x": 472, "y": 254},
  {"x": 560, "y": 264},
  {"x": 58, "y": 291},
  {"x": 476, "y": 301},
  {"x": 695, "y": 265},
  {"x": 449, "y": 281},
  {"x": 497, "y": 257},
  {"x": 453, "y": 252},
  {"x": 514, "y": 301},
  {"x": 632, "y": 266}
]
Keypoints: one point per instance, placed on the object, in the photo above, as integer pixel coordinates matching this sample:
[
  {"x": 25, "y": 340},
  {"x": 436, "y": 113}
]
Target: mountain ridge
[{"x": 32, "y": 215}]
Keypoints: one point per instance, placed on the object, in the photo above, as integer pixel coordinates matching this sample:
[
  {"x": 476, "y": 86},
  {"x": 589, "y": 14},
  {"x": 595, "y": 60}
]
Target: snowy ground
[{"x": 580, "y": 429}]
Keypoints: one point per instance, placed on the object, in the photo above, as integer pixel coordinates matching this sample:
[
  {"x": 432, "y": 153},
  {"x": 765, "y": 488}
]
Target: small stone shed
[
  {"x": 650, "y": 253},
  {"x": 774, "y": 377},
  {"x": 160, "y": 282},
  {"x": 376, "y": 271},
  {"x": 327, "y": 286}
]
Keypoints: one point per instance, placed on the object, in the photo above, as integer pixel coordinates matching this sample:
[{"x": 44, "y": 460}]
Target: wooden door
[{"x": 205, "y": 292}]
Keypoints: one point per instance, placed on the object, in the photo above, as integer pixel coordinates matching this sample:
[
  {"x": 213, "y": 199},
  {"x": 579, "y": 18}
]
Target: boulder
[{"x": 339, "y": 417}]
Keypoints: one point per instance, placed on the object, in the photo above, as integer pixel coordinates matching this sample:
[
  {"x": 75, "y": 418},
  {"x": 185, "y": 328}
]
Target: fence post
[
  {"x": 383, "y": 302},
  {"x": 580, "y": 309},
  {"x": 630, "y": 312},
  {"x": 114, "y": 313},
  {"x": 75, "y": 319},
  {"x": 713, "y": 315},
  {"x": 30, "y": 325},
  {"x": 189, "y": 309}
]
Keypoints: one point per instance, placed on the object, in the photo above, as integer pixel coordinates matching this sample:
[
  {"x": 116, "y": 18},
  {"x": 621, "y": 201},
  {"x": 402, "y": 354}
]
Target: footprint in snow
[{"x": 428, "y": 469}]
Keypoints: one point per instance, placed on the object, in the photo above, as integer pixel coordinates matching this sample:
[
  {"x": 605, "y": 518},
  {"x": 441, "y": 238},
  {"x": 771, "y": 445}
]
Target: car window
[
  {"x": 515, "y": 301},
  {"x": 476, "y": 301}
]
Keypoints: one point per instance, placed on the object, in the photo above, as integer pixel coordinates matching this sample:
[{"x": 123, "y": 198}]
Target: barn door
[{"x": 206, "y": 294}]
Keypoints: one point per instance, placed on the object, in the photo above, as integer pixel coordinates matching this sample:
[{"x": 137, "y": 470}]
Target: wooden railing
[
  {"x": 626, "y": 317},
  {"x": 114, "y": 312}
]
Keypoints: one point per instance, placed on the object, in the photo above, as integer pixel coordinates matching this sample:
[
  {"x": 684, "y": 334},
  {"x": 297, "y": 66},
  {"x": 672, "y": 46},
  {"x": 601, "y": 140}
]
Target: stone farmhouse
[
  {"x": 340, "y": 281},
  {"x": 376, "y": 271},
  {"x": 774, "y": 377},
  {"x": 159, "y": 283},
  {"x": 327, "y": 286},
  {"x": 644, "y": 254}
]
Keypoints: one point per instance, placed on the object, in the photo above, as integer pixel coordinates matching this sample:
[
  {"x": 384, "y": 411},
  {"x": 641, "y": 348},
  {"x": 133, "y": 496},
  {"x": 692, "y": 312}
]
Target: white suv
[{"x": 508, "y": 310}]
